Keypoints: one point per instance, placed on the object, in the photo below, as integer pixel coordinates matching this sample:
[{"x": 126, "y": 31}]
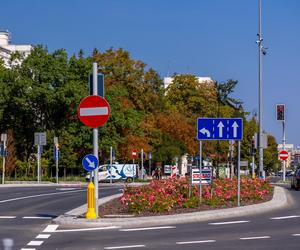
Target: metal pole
[
  {"x": 239, "y": 172},
  {"x": 134, "y": 168},
  {"x": 253, "y": 172},
  {"x": 110, "y": 164},
  {"x": 95, "y": 137},
  {"x": 3, "y": 162},
  {"x": 56, "y": 156},
  {"x": 283, "y": 147},
  {"x": 260, "y": 48},
  {"x": 200, "y": 171},
  {"x": 143, "y": 164},
  {"x": 39, "y": 162}
]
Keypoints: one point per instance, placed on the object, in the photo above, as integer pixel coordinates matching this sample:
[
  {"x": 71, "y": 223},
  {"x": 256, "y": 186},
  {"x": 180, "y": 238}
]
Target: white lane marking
[
  {"x": 43, "y": 236},
  {"x": 39, "y": 195},
  {"x": 50, "y": 229},
  {"x": 296, "y": 234},
  {"x": 122, "y": 247},
  {"x": 65, "y": 189},
  {"x": 285, "y": 217},
  {"x": 85, "y": 229},
  {"x": 146, "y": 228},
  {"x": 93, "y": 111},
  {"x": 195, "y": 242},
  {"x": 255, "y": 238},
  {"x": 28, "y": 249},
  {"x": 37, "y": 217},
  {"x": 229, "y": 222},
  {"x": 7, "y": 217},
  {"x": 35, "y": 243}
]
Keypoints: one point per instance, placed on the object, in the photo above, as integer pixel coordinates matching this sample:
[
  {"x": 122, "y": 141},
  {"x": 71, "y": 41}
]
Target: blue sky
[{"x": 213, "y": 38}]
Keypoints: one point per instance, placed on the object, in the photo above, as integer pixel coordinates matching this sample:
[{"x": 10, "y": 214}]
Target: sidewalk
[{"x": 73, "y": 217}]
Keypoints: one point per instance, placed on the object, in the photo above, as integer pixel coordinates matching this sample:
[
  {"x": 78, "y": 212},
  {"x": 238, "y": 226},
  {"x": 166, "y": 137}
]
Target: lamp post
[{"x": 260, "y": 101}]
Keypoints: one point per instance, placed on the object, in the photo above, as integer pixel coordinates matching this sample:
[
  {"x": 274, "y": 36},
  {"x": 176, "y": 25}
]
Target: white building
[
  {"x": 169, "y": 80},
  {"x": 6, "y": 49}
]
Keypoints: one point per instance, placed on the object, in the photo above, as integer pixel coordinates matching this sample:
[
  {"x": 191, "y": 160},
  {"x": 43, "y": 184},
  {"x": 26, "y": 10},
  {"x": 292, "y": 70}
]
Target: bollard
[{"x": 91, "y": 214}]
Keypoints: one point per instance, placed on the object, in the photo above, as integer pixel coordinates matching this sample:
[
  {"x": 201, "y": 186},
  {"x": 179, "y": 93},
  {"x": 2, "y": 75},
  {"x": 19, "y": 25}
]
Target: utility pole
[{"x": 260, "y": 102}]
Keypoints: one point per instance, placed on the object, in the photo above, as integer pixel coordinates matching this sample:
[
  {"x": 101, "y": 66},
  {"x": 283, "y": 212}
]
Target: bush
[{"x": 162, "y": 195}]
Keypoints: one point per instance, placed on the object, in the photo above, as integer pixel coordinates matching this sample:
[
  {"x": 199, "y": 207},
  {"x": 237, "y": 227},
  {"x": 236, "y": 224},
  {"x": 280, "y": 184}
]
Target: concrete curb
[{"x": 71, "y": 218}]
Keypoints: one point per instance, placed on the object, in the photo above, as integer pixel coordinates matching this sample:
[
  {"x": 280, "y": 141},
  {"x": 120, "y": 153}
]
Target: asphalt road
[
  {"x": 27, "y": 211},
  {"x": 273, "y": 230}
]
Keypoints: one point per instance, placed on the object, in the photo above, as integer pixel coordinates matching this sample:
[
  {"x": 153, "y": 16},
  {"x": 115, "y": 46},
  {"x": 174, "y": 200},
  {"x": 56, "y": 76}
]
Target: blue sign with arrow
[
  {"x": 90, "y": 162},
  {"x": 220, "y": 129}
]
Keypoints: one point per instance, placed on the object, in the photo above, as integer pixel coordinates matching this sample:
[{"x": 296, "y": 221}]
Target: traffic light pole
[{"x": 283, "y": 147}]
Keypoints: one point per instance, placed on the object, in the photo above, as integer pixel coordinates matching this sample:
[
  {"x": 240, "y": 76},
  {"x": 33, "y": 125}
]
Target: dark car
[{"x": 295, "y": 181}]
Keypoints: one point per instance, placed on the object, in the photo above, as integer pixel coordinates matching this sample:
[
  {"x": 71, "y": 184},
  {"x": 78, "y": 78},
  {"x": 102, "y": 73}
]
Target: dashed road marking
[
  {"x": 7, "y": 217},
  {"x": 195, "y": 242},
  {"x": 50, "y": 229},
  {"x": 38, "y": 217},
  {"x": 85, "y": 229},
  {"x": 285, "y": 217},
  {"x": 123, "y": 247},
  {"x": 35, "y": 243},
  {"x": 296, "y": 234},
  {"x": 146, "y": 228},
  {"x": 229, "y": 222},
  {"x": 28, "y": 249},
  {"x": 256, "y": 238},
  {"x": 43, "y": 236}
]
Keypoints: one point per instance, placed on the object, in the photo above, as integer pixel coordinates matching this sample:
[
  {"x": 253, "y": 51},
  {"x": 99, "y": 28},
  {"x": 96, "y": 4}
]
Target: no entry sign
[
  {"x": 134, "y": 154},
  {"x": 283, "y": 155},
  {"x": 93, "y": 111}
]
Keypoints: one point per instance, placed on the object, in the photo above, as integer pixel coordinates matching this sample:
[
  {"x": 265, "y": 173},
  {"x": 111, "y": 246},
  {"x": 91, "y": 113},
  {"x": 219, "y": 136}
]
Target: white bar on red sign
[{"x": 94, "y": 111}]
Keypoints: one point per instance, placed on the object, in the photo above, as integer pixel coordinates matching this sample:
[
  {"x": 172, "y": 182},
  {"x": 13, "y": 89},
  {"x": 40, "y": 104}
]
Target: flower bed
[{"x": 165, "y": 195}]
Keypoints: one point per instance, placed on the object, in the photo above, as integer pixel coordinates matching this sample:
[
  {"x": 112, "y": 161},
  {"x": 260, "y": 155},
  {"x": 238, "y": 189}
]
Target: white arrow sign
[
  {"x": 220, "y": 126},
  {"x": 235, "y": 126},
  {"x": 205, "y": 131},
  {"x": 91, "y": 163}
]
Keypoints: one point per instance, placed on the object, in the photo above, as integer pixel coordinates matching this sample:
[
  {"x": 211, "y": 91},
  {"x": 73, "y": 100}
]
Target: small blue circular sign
[{"x": 90, "y": 162}]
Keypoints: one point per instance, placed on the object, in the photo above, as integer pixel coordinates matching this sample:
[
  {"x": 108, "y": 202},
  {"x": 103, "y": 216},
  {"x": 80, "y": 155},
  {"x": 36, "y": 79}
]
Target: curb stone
[{"x": 72, "y": 218}]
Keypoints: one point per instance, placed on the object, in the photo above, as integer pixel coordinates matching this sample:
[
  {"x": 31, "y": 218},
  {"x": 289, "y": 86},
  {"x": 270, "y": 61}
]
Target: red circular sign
[
  {"x": 93, "y": 111},
  {"x": 283, "y": 155},
  {"x": 134, "y": 153}
]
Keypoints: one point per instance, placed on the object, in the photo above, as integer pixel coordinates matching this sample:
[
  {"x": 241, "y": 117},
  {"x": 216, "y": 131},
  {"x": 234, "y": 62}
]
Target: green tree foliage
[{"x": 43, "y": 93}]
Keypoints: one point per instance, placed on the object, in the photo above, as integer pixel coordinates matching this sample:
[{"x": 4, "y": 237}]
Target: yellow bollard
[{"x": 91, "y": 213}]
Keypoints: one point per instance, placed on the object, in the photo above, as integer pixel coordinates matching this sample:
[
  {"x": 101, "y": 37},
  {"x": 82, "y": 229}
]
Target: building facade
[{"x": 7, "y": 49}]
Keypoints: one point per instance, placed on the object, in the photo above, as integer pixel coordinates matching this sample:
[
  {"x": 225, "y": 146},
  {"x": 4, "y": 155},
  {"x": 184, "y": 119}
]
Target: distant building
[
  {"x": 6, "y": 48},
  {"x": 169, "y": 80}
]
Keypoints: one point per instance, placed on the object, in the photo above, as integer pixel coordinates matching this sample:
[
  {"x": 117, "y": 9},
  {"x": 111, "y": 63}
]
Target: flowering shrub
[{"x": 163, "y": 195}]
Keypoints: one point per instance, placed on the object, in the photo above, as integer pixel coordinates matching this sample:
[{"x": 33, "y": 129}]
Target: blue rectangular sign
[
  {"x": 100, "y": 86},
  {"x": 220, "y": 129}
]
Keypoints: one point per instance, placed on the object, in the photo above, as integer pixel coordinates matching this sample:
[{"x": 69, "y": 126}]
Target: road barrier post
[{"x": 91, "y": 214}]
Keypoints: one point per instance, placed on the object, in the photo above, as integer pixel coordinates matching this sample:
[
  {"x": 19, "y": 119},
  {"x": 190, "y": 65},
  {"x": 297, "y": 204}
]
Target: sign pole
[
  {"x": 110, "y": 165},
  {"x": 200, "y": 171},
  {"x": 239, "y": 172},
  {"x": 56, "y": 156},
  {"x": 133, "y": 170},
  {"x": 143, "y": 164},
  {"x": 3, "y": 138},
  {"x": 95, "y": 138},
  {"x": 39, "y": 162}
]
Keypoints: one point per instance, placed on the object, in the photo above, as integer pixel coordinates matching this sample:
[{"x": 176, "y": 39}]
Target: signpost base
[{"x": 91, "y": 213}]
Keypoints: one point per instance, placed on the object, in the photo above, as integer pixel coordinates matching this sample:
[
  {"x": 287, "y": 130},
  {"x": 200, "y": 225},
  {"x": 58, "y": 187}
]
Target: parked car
[
  {"x": 126, "y": 172},
  {"x": 295, "y": 181}
]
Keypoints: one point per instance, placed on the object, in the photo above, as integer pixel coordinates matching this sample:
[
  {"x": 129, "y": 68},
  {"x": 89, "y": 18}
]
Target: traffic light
[{"x": 280, "y": 112}]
